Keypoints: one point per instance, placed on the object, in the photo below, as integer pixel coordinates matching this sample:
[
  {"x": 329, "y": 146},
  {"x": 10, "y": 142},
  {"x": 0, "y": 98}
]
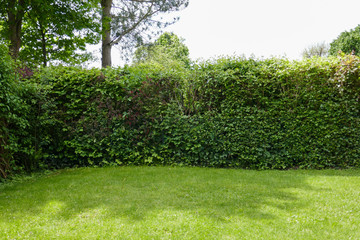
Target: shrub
[
  {"x": 18, "y": 148},
  {"x": 258, "y": 114}
]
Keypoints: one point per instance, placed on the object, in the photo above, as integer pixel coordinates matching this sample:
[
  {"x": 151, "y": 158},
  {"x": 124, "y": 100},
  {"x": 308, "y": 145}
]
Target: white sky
[{"x": 264, "y": 28}]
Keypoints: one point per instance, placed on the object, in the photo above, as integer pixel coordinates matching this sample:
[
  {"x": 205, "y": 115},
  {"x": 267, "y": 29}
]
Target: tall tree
[
  {"x": 347, "y": 42},
  {"x": 49, "y": 30},
  {"x": 128, "y": 23},
  {"x": 106, "y": 32},
  {"x": 12, "y": 13},
  {"x": 59, "y": 32}
]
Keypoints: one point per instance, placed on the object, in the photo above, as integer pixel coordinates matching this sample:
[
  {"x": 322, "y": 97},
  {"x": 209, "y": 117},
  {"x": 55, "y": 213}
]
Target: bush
[
  {"x": 18, "y": 114},
  {"x": 284, "y": 114},
  {"x": 86, "y": 110},
  {"x": 258, "y": 114},
  {"x": 5, "y": 87}
]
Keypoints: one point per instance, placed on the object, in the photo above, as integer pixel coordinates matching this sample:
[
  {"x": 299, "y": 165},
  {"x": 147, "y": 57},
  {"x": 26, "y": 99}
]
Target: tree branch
[{"x": 135, "y": 25}]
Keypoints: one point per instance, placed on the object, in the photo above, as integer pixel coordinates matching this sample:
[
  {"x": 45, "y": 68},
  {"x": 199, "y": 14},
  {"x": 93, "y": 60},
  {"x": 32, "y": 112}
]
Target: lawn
[{"x": 182, "y": 203}]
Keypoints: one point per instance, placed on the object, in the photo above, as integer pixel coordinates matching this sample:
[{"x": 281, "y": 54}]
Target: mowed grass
[{"x": 182, "y": 203}]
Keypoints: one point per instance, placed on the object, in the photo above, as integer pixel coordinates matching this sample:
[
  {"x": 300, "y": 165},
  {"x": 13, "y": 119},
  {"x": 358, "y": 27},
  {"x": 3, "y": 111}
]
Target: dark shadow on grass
[{"x": 135, "y": 192}]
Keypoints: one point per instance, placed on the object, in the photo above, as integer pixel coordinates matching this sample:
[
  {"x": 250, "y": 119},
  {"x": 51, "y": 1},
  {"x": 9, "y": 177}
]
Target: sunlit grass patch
[{"x": 182, "y": 203}]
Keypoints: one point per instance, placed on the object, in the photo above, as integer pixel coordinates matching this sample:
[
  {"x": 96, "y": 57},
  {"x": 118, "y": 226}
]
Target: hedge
[
  {"x": 242, "y": 113},
  {"x": 19, "y": 149}
]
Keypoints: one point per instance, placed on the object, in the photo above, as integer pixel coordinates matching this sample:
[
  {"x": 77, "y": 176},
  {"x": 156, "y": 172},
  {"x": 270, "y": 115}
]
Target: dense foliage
[
  {"x": 58, "y": 31},
  {"x": 130, "y": 24},
  {"x": 49, "y": 31},
  {"x": 18, "y": 117},
  {"x": 259, "y": 114},
  {"x": 167, "y": 48},
  {"x": 347, "y": 42}
]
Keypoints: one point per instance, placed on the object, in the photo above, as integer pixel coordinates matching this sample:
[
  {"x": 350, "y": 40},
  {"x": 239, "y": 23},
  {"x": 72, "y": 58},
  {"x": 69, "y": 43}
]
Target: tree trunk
[
  {"x": 16, "y": 10},
  {"x": 43, "y": 45},
  {"x": 106, "y": 33}
]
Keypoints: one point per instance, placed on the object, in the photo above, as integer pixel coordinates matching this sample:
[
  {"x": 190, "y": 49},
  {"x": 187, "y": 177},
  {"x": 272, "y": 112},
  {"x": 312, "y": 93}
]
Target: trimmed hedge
[{"x": 259, "y": 114}]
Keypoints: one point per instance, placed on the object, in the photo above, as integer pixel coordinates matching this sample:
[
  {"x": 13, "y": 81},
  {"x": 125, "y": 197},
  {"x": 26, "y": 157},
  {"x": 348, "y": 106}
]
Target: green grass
[{"x": 182, "y": 203}]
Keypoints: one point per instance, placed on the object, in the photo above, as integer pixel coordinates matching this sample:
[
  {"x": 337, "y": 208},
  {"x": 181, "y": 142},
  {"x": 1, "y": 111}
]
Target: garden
[{"x": 230, "y": 148}]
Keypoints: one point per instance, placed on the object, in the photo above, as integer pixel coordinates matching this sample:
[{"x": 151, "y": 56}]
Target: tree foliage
[
  {"x": 43, "y": 31},
  {"x": 319, "y": 50},
  {"x": 347, "y": 42},
  {"x": 59, "y": 32},
  {"x": 11, "y": 14},
  {"x": 168, "y": 47},
  {"x": 133, "y": 22}
]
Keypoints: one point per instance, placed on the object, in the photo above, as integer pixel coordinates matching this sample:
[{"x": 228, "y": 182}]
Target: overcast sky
[{"x": 264, "y": 28}]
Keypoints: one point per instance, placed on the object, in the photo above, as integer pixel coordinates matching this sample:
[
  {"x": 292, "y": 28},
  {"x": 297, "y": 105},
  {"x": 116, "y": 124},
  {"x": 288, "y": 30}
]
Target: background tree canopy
[
  {"x": 50, "y": 31},
  {"x": 43, "y": 31},
  {"x": 347, "y": 42},
  {"x": 166, "y": 48},
  {"x": 129, "y": 24},
  {"x": 59, "y": 31},
  {"x": 319, "y": 49}
]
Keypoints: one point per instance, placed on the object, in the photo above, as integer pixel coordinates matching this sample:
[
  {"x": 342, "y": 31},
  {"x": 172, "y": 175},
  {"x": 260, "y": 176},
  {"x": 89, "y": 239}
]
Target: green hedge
[
  {"x": 19, "y": 149},
  {"x": 5, "y": 104},
  {"x": 259, "y": 114},
  {"x": 279, "y": 114}
]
